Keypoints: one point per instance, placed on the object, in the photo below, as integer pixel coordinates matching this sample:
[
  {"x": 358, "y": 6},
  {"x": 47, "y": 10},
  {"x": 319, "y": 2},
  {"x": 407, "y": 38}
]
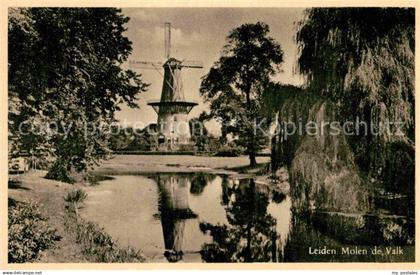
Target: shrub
[
  {"x": 399, "y": 170},
  {"x": 59, "y": 171},
  {"x": 76, "y": 196},
  {"x": 28, "y": 232},
  {"x": 227, "y": 151},
  {"x": 14, "y": 183},
  {"x": 95, "y": 179}
]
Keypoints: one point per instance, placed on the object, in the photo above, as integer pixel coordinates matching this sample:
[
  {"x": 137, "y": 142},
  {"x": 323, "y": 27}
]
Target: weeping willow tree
[{"x": 363, "y": 59}]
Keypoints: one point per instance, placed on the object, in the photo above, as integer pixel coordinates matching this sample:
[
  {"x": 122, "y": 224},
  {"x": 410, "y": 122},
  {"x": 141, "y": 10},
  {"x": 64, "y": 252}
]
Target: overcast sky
[{"x": 199, "y": 34}]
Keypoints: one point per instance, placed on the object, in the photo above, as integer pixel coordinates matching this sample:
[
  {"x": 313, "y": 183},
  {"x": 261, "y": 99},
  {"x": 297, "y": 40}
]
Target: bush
[
  {"x": 59, "y": 171},
  {"x": 76, "y": 196},
  {"x": 399, "y": 170},
  {"x": 14, "y": 184},
  {"x": 228, "y": 151},
  {"x": 28, "y": 232},
  {"x": 94, "y": 179}
]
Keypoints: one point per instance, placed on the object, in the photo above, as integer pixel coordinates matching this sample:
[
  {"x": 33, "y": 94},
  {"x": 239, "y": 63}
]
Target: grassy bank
[
  {"x": 44, "y": 225},
  {"x": 48, "y": 196}
]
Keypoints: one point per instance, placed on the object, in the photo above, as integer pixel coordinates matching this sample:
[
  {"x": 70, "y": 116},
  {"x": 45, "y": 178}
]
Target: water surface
[{"x": 199, "y": 217}]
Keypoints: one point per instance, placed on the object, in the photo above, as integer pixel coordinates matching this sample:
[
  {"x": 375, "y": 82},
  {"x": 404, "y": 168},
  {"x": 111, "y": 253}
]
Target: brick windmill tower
[{"x": 172, "y": 108}]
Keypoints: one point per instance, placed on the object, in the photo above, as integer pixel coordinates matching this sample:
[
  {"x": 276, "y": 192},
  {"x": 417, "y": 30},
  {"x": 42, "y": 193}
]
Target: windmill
[{"x": 172, "y": 108}]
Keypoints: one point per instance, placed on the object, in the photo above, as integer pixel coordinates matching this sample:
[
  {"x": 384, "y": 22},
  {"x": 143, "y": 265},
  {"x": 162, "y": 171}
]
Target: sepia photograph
[{"x": 211, "y": 135}]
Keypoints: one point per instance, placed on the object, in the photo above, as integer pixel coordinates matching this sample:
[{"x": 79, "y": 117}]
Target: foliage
[
  {"x": 277, "y": 94},
  {"x": 76, "y": 196},
  {"x": 121, "y": 138},
  {"x": 199, "y": 133},
  {"x": 277, "y": 99},
  {"x": 235, "y": 83},
  {"x": 197, "y": 127},
  {"x": 228, "y": 150},
  {"x": 199, "y": 182},
  {"x": 96, "y": 179},
  {"x": 399, "y": 169},
  {"x": 206, "y": 142},
  {"x": 143, "y": 140},
  {"x": 134, "y": 139},
  {"x": 28, "y": 232},
  {"x": 66, "y": 82},
  {"x": 60, "y": 170},
  {"x": 14, "y": 183},
  {"x": 363, "y": 59},
  {"x": 251, "y": 235}
]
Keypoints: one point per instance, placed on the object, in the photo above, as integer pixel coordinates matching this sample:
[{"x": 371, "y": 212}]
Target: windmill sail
[{"x": 192, "y": 64}]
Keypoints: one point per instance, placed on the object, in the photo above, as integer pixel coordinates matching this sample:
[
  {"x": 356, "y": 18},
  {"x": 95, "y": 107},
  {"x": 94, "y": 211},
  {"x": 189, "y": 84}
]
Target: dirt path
[{"x": 49, "y": 194}]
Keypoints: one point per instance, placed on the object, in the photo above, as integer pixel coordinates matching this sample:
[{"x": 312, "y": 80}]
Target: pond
[{"x": 198, "y": 217}]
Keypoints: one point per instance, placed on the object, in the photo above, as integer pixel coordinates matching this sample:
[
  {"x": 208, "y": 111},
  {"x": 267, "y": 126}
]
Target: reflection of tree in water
[
  {"x": 277, "y": 197},
  {"x": 226, "y": 190},
  {"x": 251, "y": 235},
  {"x": 199, "y": 181}
]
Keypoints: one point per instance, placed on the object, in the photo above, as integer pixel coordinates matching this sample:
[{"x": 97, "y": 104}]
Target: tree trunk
[
  {"x": 248, "y": 257},
  {"x": 277, "y": 158},
  {"x": 273, "y": 155},
  {"x": 251, "y": 143},
  {"x": 252, "y": 159}
]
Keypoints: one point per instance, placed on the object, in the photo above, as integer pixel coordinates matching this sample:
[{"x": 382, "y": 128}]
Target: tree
[
  {"x": 235, "y": 83},
  {"x": 363, "y": 59},
  {"x": 274, "y": 98},
  {"x": 199, "y": 133},
  {"x": 65, "y": 72}
]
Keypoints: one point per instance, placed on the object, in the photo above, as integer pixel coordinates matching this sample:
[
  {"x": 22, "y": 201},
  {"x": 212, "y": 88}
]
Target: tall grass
[
  {"x": 75, "y": 196},
  {"x": 97, "y": 245}
]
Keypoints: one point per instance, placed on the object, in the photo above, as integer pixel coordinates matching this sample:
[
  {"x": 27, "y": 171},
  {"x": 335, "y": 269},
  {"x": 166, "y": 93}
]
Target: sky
[{"x": 199, "y": 34}]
